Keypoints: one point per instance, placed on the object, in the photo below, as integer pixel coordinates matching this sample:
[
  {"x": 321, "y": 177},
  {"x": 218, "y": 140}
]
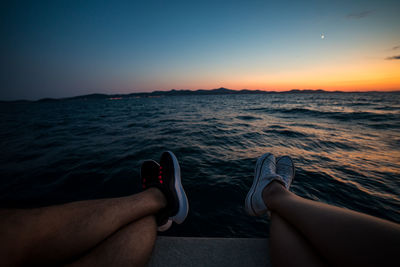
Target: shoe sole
[
  {"x": 180, "y": 192},
  {"x": 165, "y": 226},
  {"x": 249, "y": 207}
]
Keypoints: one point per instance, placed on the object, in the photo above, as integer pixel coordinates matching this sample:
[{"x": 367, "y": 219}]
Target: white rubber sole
[
  {"x": 182, "y": 199},
  {"x": 165, "y": 226},
  {"x": 257, "y": 174}
]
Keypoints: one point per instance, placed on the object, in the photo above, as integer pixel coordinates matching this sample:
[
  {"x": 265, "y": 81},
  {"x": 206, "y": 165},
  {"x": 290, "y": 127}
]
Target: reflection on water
[{"x": 346, "y": 149}]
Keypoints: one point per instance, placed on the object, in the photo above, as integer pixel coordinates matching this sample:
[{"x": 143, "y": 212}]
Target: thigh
[{"x": 288, "y": 247}]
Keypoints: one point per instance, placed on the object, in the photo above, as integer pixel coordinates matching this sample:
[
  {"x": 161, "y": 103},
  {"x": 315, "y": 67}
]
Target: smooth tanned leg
[
  {"x": 288, "y": 247},
  {"x": 342, "y": 237},
  {"x": 58, "y": 233}
]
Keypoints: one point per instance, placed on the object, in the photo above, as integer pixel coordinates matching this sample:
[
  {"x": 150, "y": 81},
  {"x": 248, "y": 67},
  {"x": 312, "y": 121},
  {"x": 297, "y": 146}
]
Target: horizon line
[{"x": 199, "y": 89}]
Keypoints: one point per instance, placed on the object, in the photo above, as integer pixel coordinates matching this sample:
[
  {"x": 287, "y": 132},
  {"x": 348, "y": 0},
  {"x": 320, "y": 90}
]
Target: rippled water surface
[{"x": 346, "y": 149}]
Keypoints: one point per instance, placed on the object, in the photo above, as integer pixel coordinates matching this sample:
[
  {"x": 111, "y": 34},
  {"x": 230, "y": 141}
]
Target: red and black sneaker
[
  {"x": 166, "y": 176},
  {"x": 150, "y": 177}
]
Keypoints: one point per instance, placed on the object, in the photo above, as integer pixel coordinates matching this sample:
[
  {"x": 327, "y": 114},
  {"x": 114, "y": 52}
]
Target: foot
[
  {"x": 166, "y": 177},
  {"x": 275, "y": 190},
  {"x": 265, "y": 173},
  {"x": 285, "y": 168},
  {"x": 149, "y": 173}
]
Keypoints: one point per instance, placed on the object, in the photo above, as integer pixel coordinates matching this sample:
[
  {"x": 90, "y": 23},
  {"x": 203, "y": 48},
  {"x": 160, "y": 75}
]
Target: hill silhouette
[{"x": 186, "y": 92}]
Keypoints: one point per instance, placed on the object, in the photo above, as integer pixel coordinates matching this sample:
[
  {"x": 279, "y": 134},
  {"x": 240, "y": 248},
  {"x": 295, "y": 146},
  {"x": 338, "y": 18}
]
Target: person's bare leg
[
  {"x": 56, "y": 233},
  {"x": 343, "y": 237},
  {"x": 130, "y": 246},
  {"x": 288, "y": 247}
]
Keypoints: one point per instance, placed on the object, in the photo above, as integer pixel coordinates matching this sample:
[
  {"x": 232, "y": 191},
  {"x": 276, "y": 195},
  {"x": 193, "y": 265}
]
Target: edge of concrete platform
[{"x": 209, "y": 251}]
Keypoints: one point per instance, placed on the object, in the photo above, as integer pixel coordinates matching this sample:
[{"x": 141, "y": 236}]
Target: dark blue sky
[{"x": 67, "y": 48}]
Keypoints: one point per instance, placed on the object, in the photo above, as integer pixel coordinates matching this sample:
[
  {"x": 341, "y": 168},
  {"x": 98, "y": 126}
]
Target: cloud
[
  {"x": 395, "y": 47},
  {"x": 393, "y": 58},
  {"x": 359, "y": 15}
]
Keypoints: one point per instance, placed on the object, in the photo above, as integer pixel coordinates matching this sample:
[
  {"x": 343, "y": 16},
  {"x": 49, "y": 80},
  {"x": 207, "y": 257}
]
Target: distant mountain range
[{"x": 174, "y": 92}]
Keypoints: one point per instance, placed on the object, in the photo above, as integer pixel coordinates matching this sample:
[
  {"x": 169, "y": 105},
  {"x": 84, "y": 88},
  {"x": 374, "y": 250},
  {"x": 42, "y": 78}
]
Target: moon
[{"x": 322, "y": 36}]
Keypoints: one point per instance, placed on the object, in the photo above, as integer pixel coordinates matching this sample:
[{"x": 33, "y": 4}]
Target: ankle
[{"x": 272, "y": 192}]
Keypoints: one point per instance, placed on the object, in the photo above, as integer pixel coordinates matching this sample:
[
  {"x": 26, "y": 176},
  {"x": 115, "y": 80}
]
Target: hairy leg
[
  {"x": 130, "y": 246},
  {"x": 56, "y": 233},
  {"x": 288, "y": 247},
  {"x": 343, "y": 237}
]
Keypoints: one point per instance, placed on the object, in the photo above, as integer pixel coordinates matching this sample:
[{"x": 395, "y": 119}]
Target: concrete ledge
[{"x": 190, "y": 251}]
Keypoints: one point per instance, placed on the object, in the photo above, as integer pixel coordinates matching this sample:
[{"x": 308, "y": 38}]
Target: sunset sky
[{"x": 68, "y": 48}]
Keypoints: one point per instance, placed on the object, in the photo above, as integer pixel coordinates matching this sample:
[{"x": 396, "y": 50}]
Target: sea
[{"x": 346, "y": 149}]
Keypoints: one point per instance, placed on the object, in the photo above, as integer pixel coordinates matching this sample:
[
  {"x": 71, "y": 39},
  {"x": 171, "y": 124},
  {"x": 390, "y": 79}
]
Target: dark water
[{"x": 346, "y": 149}]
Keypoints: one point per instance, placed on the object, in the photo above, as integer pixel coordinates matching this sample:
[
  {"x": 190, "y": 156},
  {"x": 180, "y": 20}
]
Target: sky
[{"x": 69, "y": 48}]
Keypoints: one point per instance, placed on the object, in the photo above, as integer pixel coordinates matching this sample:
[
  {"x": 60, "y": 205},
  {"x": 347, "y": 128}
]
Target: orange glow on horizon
[{"x": 378, "y": 75}]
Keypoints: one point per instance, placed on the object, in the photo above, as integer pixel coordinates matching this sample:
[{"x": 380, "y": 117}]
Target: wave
[
  {"x": 287, "y": 133},
  {"x": 337, "y": 115},
  {"x": 248, "y": 118}
]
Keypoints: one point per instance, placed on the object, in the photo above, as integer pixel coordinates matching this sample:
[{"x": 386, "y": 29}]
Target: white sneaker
[
  {"x": 285, "y": 168},
  {"x": 265, "y": 173}
]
